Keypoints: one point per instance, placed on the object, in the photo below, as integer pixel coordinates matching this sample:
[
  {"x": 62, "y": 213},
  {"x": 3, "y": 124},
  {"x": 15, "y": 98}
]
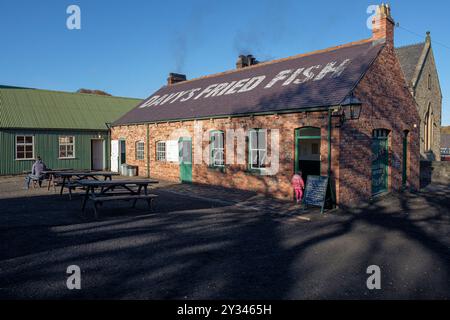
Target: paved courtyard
[{"x": 210, "y": 243}]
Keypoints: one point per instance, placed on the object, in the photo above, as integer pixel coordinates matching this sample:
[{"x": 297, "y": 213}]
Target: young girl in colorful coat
[{"x": 299, "y": 185}]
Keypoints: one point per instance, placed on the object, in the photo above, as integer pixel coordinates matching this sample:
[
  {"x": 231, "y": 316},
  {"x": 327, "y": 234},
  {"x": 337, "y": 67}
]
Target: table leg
[
  {"x": 86, "y": 196},
  {"x": 62, "y": 185},
  {"x": 49, "y": 181},
  {"x": 138, "y": 192}
]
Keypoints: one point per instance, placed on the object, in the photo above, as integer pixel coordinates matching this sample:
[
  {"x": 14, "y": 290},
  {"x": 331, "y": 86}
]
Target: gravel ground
[{"x": 241, "y": 246}]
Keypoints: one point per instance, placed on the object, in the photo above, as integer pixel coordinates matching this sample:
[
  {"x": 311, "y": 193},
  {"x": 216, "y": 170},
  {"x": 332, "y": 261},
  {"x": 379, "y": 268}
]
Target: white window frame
[
  {"x": 24, "y": 144},
  {"x": 217, "y": 135},
  {"x": 140, "y": 153},
  {"x": 161, "y": 154},
  {"x": 261, "y": 165},
  {"x": 66, "y": 144}
]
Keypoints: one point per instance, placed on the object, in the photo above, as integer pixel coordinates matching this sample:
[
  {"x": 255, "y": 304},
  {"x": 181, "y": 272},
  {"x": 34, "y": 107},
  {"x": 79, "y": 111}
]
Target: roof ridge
[
  {"x": 261, "y": 64},
  {"x": 411, "y": 45},
  {"x": 67, "y": 92}
]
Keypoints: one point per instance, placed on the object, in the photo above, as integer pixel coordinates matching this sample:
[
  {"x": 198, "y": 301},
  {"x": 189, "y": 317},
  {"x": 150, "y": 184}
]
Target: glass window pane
[
  {"x": 218, "y": 158},
  {"x": 20, "y": 139},
  {"x": 262, "y": 139},
  {"x": 315, "y": 148},
  {"x": 20, "y": 148},
  {"x": 220, "y": 139},
  {"x": 29, "y": 155},
  {"x": 29, "y": 148},
  {"x": 20, "y": 155},
  {"x": 186, "y": 151},
  {"x": 254, "y": 158},
  {"x": 29, "y": 139},
  {"x": 262, "y": 158},
  {"x": 310, "y": 132},
  {"x": 253, "y": 140}
]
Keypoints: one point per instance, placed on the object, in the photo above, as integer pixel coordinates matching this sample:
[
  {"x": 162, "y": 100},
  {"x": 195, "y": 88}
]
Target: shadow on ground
[{"x": 193, "y": 249}]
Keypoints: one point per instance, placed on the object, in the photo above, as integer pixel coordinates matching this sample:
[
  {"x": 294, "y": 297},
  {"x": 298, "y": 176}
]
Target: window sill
[
  {"x": 255, "y": 172},
  {"x": 73, "y": 158},
  {"x": 30, "y": 159},
  {"x": 217, "y": 168}
]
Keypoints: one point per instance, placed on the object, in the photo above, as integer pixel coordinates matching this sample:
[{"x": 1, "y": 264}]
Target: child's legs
[{"x": 298, "y": 194}]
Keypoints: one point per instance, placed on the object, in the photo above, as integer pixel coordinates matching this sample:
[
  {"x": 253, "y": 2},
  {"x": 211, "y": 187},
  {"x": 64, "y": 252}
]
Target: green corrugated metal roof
[{"x": 44, "y": 109}]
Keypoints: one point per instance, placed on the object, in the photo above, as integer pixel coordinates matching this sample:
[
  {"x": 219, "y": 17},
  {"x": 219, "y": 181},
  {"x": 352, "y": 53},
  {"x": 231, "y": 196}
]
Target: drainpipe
[
  {"x": 148, "y": 150},
  {"x": 329, "y": 144}
]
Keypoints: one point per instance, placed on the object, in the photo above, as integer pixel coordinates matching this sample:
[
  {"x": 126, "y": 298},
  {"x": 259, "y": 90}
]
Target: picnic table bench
[
  {"x": 130, "y": 190},
  {"x": 70, "y": 184}
]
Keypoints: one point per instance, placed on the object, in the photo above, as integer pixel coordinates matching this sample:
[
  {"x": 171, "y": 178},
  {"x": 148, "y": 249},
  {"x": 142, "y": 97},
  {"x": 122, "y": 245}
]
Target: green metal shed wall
[{"x": 46, "y": 145}]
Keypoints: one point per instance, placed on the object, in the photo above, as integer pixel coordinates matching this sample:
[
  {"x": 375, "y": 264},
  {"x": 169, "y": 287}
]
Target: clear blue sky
[{"x": 127, "y": 48}]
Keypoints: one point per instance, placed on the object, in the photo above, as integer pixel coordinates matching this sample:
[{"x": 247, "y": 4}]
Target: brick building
[
  {"x": 345, "y": 112},
  {"x": 419, "y": 67}
]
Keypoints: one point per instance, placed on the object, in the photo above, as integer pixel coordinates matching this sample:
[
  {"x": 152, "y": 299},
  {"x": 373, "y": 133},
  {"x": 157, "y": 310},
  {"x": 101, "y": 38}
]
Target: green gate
[
  {"x": 380, "y": 159},
  {"x": 185, "y": 156}
]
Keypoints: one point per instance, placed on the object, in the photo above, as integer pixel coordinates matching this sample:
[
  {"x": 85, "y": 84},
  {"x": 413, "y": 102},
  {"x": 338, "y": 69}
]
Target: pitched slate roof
[
  {"x": 44, "y": 109},
  {"x": 324, "y": 78},
  {"x": 409, "y": 58}
]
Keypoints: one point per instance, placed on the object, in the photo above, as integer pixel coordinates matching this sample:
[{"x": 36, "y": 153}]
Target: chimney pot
[
  {"x": 383, "y": 25},
  {"x": 246, "y": 61}
]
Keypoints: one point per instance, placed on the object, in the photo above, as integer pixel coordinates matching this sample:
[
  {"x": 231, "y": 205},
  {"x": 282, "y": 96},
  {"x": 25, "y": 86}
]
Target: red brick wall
[
  {"x": 132, "y": 134},
  {"x": 235, "y": 176},
  {"x": 387, "y": 104}
]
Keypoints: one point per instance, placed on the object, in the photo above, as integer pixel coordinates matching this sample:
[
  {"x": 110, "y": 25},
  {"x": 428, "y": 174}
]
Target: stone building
[
  {"x": 419, "y": 68},
  {"x": 344, "y": 112}
]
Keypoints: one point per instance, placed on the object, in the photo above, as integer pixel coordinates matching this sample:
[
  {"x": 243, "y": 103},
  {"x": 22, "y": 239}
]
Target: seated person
[{"x": 36, "y": 173}]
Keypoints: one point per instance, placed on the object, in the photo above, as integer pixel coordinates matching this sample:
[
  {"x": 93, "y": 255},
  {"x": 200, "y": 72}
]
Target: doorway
[
  {"x": 307, "y": 151},
  {"x": 123, "y": 152},
  {"x": 380, "y": 161},
  {"x": 185, "y": 159},
  {"x": 97, "y": 154}
]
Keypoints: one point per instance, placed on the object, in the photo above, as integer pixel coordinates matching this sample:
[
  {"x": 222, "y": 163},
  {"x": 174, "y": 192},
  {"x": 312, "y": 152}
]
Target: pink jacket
[{"x": 297, "y": 182}]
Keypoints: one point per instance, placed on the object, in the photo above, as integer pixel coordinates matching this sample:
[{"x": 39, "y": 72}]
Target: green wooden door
[
  {"x": 185, "y": 156},
  {"x": 380, "y": 158},
  {"x": 405, "y": 159}
]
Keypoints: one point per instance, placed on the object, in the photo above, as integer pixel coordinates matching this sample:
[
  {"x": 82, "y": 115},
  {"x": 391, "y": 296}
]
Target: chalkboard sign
[{"x": 315, "y": 191}]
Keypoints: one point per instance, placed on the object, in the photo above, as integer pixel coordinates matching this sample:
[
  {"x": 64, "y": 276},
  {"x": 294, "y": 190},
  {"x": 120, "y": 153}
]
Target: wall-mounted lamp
[{"x": 349, "y": 109}]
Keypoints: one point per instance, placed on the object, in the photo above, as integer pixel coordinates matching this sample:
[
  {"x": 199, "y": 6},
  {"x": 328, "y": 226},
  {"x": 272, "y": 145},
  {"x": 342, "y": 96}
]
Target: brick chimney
[
  {"x": 175, "y": 78},
  {"x": 246, "y": 61},
  {"x": 383, "y": 25}
]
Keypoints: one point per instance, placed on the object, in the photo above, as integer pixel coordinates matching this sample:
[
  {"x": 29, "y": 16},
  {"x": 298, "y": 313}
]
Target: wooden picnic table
[
  {"x": 82, "y": 175},
  {"x": 51, "y": 174},
  {"x": 101, "y": 191}
]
